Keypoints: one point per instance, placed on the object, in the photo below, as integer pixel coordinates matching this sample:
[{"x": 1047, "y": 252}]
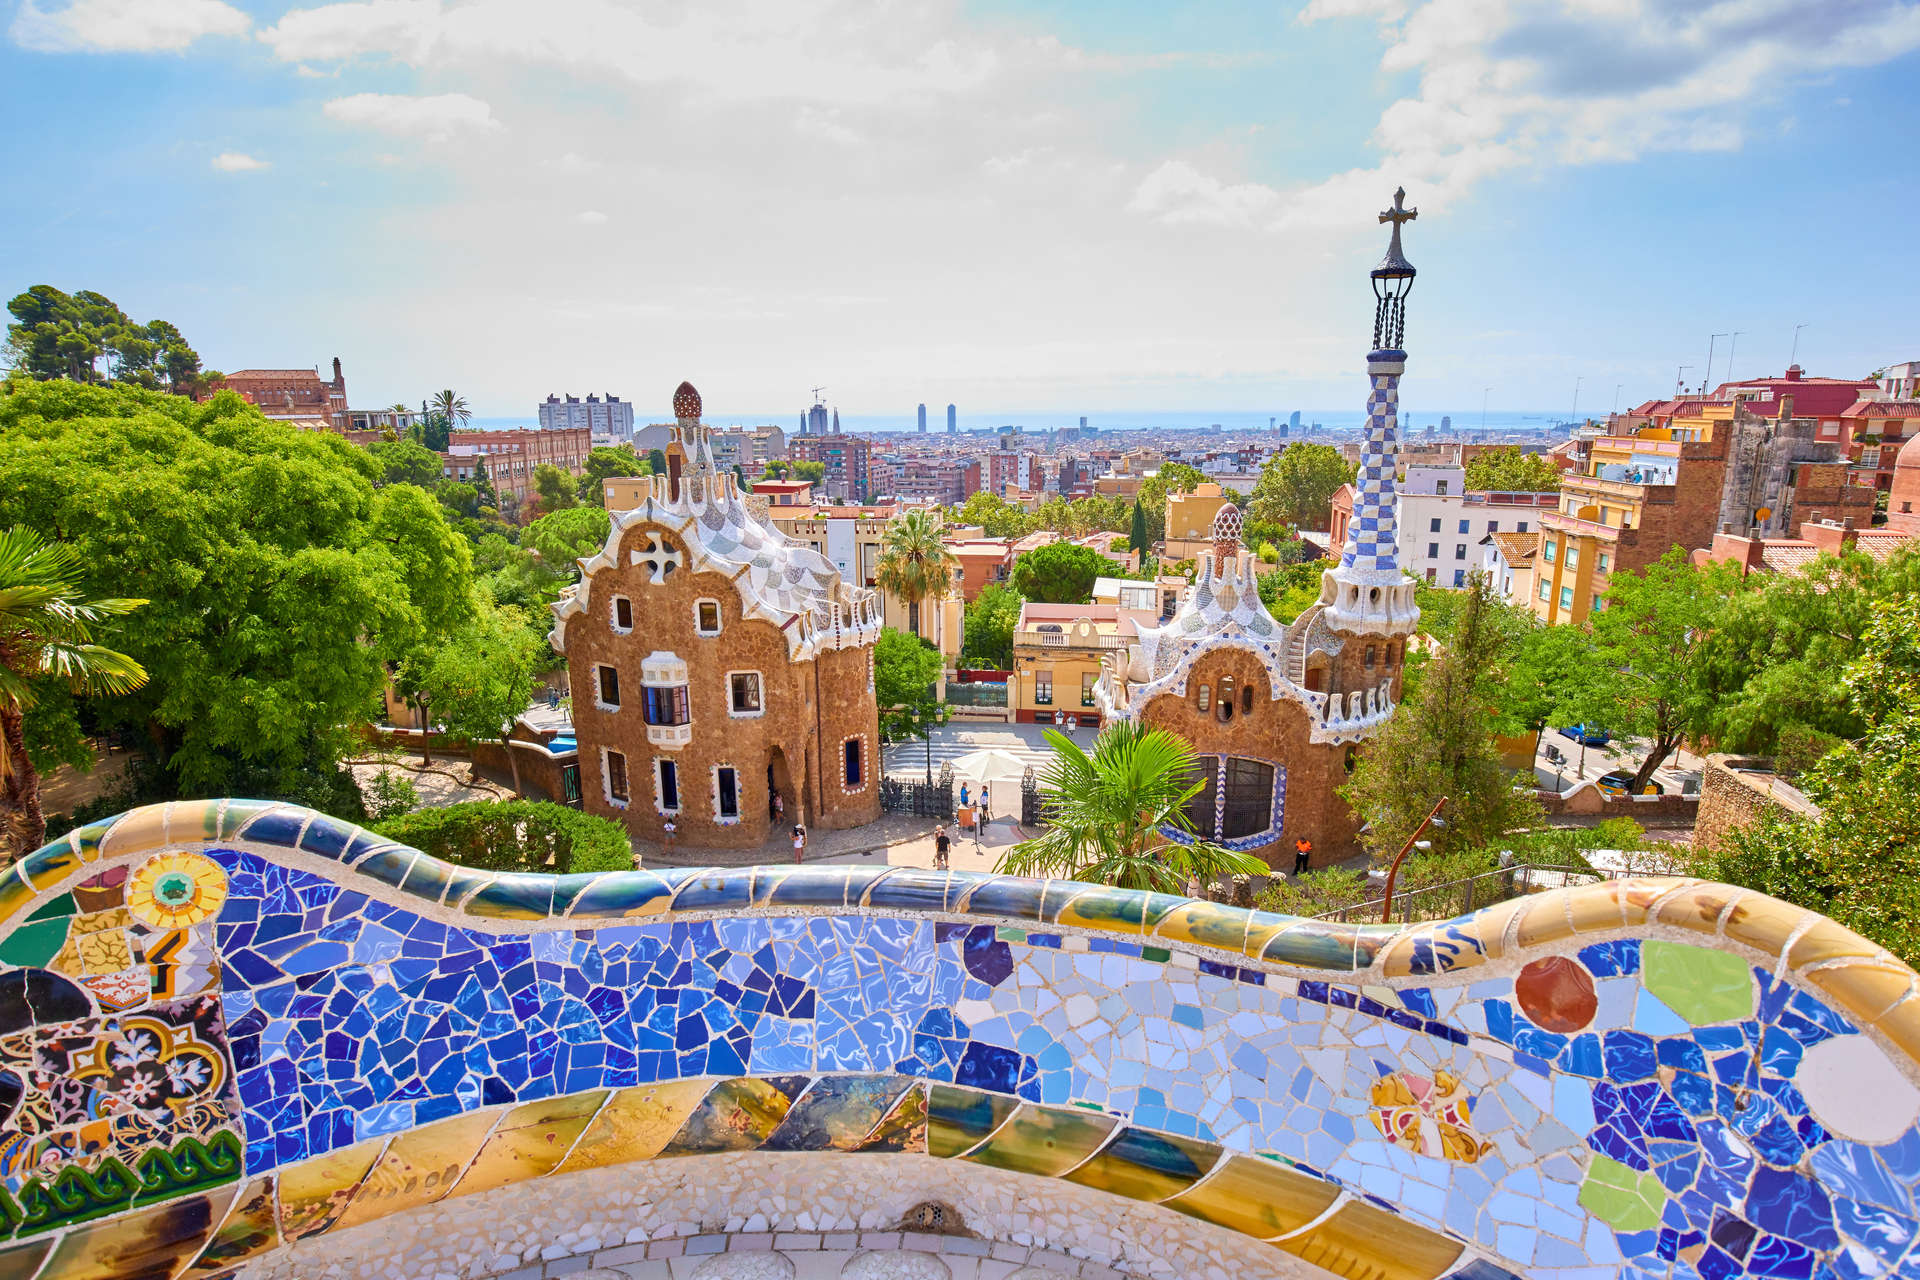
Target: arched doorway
[{"x": 780, "y": 782}]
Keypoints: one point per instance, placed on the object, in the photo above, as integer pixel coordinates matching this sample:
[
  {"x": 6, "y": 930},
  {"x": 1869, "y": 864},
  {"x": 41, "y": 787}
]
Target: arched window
[
  {"x": 1246, "y": 700},
  {"x": 1225, "y": 709},
  {"x": 1369, "y": 659}
]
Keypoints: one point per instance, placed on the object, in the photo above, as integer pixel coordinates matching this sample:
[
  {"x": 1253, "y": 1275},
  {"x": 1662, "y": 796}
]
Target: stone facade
[{"x": 715, "y": 664}]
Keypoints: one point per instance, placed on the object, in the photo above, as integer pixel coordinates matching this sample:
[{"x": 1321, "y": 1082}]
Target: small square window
[
  {"x": 1546, "y": 589},
  {"x": 1522, "y": 528},
  {"x": 1566, "y": 597},
  {"x": 1463, "y": 526},
  {"x": 1431, "y": 572},
  {"x": 622, "y": 614},
  {"x": 617, "y": 776},
  {"x": 1459, "y": 551},
  {"x": 609, "y": 687},
  {"x": 1459, "y": 577},
  {"x": 1493, "y": 526},
  {"x": 743, "y": 693},
  {"x": 1043, "y": 690},
  {"x": 1433, "y": 525},
  {"x": 706, "y": 617},
  {"x": 1087, "y": 679}
]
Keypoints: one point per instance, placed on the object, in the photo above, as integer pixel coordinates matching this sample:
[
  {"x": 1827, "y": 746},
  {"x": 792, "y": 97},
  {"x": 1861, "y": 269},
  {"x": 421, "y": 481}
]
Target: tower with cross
[{"x": 1368, "y": 593}]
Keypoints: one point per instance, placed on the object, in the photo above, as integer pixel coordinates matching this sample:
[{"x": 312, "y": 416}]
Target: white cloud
[
  {"x": 124, "y": 26},
  {"x": 1514, "y": 84},
  {"x": 812, "y": 122},
  {"x": 590, "y": 218},
  {"x": 238, "y": 162},
  {"x": 435, "y": 118}
]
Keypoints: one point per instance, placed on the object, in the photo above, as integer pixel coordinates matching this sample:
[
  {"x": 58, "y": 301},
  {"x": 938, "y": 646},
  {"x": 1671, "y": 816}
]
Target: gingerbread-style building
[
  {"x": 715, "y": 664},
  {"x": 1278, "y": 712}
]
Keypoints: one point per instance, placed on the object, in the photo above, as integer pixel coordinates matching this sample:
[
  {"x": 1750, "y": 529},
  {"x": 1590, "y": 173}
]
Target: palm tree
[
  {"x": 453, "y": 408},
  {"x": 915, "y": 563},
  {"x": 1109, "y": 813},
  {"x": 46, "y": 629}
]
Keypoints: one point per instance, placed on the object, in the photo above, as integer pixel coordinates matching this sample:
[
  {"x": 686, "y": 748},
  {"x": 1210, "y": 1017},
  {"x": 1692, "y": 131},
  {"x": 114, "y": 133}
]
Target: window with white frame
[
  {"x": 706, "y": 617},
  {"x": 855, "y": 767},
  {"x": 726, "y": 792},
  {"x": 606, "y": 687},
  {"x": 622, "y": 614},
  {"x": 614, "y": 767},
  {"x": 666, "y": 777},
  {"x": 743, "y": 693}
]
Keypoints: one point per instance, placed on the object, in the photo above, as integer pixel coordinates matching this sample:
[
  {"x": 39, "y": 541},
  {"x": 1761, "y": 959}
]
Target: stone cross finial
[{"x": 1399, "y": 213}]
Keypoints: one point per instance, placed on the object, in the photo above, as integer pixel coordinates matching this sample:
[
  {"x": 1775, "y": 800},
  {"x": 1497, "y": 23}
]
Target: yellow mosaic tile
[
  {"x": 47, "y": 868},
  {"x": 1545, "y": 920},
  {"x": 251, "y": 1229},
  {"x": 314, "y": 1193},
  {"x": 736, "y": 1115},
  {"x": 1147, "y": 1166},
  {"x": 419, "y": 1166},
  {"x": 904, "y": 1128},
  {"x": 1866, "y": 989},
  {"x": 137, "y": 831},
  {"x": 1257, "y": 1197},
  {"x": 530, "y": 1141},
  {"x": 635, "y": 1124},
  {"x": 1596, "y": 908},
  {"x": 156, "y": 1241},
  {"x": 1697, "y": 906},
  {"x": 1361, "y": 1242},
  {"x": 1046, "y": 1141},
  {"x": 1207, "y": 923},
  {"x": 1825, "y": 940}
]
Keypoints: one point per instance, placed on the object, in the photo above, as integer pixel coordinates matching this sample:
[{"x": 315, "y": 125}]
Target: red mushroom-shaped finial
[
  {"x": 686, "y": 402},
  {"x": 1226, "y": 532}
]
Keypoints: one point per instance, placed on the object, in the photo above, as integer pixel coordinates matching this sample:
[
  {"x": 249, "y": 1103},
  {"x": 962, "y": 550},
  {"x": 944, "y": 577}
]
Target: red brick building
[
  {"x": 715, "y": 665},
  {"x": 291, "y": 394},
  {"x": 510, "y": 457}
]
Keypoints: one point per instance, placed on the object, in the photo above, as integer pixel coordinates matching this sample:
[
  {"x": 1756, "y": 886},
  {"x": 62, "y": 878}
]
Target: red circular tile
[{"x": 1557, "y": 994}]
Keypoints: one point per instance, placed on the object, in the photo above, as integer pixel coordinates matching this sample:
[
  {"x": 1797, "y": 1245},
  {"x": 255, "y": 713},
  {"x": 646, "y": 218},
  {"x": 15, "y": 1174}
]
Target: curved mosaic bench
[{"x": 227, "y": 1027}]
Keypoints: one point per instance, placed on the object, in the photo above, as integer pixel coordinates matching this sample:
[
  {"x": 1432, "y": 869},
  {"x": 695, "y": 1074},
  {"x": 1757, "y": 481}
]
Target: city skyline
[{"x": 1027, "y": 207}]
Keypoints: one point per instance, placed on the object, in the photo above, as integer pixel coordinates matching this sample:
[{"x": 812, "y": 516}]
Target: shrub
[
  {"x": 515, "y": 835},
  {"x": 1801, "y": 748},
  {"x": 390, "y": 794}
]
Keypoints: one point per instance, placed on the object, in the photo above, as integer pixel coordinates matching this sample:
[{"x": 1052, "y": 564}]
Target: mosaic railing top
[
  {"x": 241, "y": 1013},
  {"x": 1859, "y": 977}
]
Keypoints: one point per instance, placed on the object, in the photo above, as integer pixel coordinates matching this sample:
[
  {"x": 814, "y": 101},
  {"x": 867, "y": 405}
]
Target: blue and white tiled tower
[{"x": 1368, "y": 592}]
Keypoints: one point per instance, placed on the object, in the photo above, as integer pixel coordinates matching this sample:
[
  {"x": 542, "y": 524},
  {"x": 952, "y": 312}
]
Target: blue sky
[{"x": 1057, "y": 206}]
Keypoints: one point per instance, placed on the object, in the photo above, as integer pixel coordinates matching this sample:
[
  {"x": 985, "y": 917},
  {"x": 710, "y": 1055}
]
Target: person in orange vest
[{"x": 1302, "y": 854}]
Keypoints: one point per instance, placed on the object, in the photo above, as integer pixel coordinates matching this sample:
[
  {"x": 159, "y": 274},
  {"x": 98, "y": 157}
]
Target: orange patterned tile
[
  {"x": 530, "y": 1141},
  {"x": 419, "y": 1166}
]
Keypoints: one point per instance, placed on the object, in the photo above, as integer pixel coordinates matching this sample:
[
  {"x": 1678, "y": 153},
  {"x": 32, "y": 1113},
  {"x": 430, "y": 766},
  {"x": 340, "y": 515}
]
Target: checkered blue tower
[{"x": 1367, "y": 592}]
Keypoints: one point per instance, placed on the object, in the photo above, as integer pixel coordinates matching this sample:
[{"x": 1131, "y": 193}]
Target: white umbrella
[{"x": 1001, "y": 769}]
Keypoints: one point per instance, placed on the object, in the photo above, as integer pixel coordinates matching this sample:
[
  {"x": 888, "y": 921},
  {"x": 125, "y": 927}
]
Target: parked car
[
  {"x": 1587, "y": 735},
  {"x": 1618, "y": 782}
]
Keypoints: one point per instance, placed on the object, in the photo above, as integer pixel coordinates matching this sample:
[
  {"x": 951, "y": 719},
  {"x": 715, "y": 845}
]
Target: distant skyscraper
[
  {"x": 814, "y": 423},
  {"x": 1293, "y": 420},
  {"x": 1083, "y": 422},
  {"x": 1446, "y": 422},
  {"x": 952, "y": 421},
  {"x": 836, "y": 422},
  {"x": 923, "y": 419}
]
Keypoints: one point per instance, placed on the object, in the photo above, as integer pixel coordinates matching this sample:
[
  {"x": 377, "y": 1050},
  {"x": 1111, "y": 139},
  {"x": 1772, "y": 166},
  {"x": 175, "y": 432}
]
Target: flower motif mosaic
[{"x": 1630, "y": 1106}]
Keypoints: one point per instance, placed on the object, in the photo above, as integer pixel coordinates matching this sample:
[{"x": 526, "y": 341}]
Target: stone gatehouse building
[{"x": 715, "y": 664}]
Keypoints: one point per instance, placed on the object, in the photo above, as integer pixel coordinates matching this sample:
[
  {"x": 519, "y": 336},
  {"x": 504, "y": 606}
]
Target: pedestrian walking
[
  {"x": 799, "y": 845},
  {"x": 940, "y": 845},
  {"x": 779, "y": 807},
  {"x": 669, "y": 830},
  {"x": 1302, "y": 855}
]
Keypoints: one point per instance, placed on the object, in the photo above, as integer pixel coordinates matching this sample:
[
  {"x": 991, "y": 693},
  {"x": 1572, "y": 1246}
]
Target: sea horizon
[{"x": 1230, "y": 420}]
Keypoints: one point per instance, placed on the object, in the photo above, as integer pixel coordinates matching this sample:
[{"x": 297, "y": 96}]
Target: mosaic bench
[{"x": 233, "y": 1034}]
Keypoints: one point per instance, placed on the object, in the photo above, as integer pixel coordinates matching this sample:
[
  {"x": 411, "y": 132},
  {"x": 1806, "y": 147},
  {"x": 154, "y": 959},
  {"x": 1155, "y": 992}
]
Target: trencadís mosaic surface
[{"x": 228, "y": 1027}]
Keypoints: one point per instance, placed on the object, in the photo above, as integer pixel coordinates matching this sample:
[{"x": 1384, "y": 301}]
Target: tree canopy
[
  {"x": 1858, "y": 862},
  {"x": 990, "y": 623},
  {"x": 59, "y": 335},
  {"x": 996, "y": 517},
  {"x": 278, "y": 578},
  {"x": 1441, "y": 741},
  {"x": 603, "y": 464},
  {"x": 905, "y": 671},
  {"x": 1507, "y": 468},
  {"x": 1170, "y": 477},
  {"x": 1297, "y": 485},
  {"x": 1059, "y": 573}
]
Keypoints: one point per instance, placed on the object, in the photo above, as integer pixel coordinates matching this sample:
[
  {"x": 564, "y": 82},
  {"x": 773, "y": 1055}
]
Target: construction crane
[{"x": 816, "y": 395}]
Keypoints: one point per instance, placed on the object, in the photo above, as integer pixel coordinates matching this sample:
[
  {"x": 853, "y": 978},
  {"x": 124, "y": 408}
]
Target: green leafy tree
[
  {"x": 1137, "y": 539},
  {"x": 1440, "y": 741},
  {"x": 48, "y": 625},
  {"x": 915, "y": 562},
  {"x": 996, "y": 517},
  {"x": 477, "y": 682},
  {"x": 554, "y": 489},
  {"x": 814, "y": 471},
  {"x": 1553, "y": 679},
  {"x": 657, "y": 463},
  {"x": 56, "y": 335},
  {"x": 451, "y": 408},
  {"x": 1291, "y": 590},
  {"x": 605, "y": 463},
  {"x": 906, "y": 671},
  {"x": 1059, "y": 573},
  {"x": 279, "y": 581},
  {"x": 1108, "y": 815},
  {"x": 483, "y": 491},
  {"x": 562, "y": 537},
  {"x": 1297, "y": 485},
  {"x": 405, "y": 462},
  {"x": 1650, "y": 644},
  {"x": 1507, "y": 468},
  {"x": 1767, "y": 666},
  {"x": 777, "y": 469},
  {"x": 990, "y": 623},
  {"x": 1858, "y": 861}
]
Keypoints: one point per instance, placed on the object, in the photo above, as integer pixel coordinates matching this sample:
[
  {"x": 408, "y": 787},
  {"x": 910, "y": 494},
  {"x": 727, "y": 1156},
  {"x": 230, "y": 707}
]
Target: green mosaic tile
[
  {"x": 1624, "y": 1198},
  {"x": 1701, "y": 986}
]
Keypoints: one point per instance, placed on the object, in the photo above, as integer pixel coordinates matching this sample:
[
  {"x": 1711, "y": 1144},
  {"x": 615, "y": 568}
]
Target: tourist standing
[
  {"x": 799, "y": 845},
  {"x": 1302, "y": 855},
  {"x": 669, "y": 830},
  {"x": 940, "y": 846}
]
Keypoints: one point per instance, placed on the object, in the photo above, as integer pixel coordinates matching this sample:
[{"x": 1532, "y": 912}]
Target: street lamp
[{"x": 1432, "y": 819}]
